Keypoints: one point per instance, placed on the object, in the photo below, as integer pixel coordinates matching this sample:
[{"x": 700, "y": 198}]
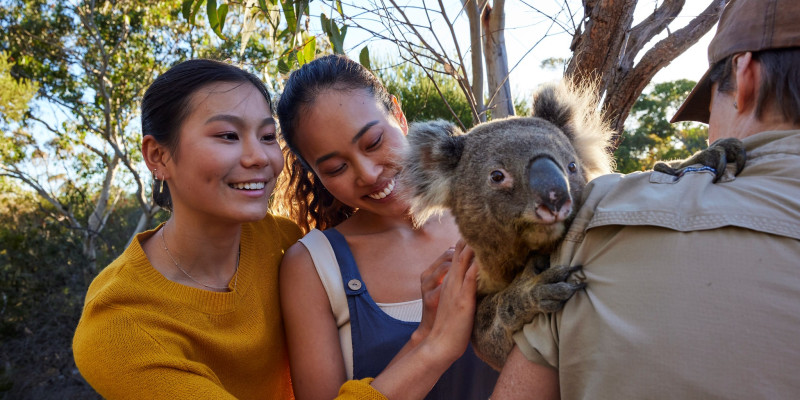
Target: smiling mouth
[
  {"x": 248, "y": 186},
  {"x": 383, "y": 193}
]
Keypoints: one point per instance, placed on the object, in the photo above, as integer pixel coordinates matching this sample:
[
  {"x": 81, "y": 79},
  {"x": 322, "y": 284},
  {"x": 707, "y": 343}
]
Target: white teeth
[
  {"x": 385, "y": 192},
  {"x": 248, "y": 186}
]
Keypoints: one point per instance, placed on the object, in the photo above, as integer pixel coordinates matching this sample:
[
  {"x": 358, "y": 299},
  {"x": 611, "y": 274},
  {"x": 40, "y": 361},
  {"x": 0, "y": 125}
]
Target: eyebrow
[
  {"x": 358, "y": 135},
  {"x": 238, "y": 121}
]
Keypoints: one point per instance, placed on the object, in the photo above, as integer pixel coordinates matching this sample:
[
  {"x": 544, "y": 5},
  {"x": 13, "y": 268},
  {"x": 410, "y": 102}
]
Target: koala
[{"x": 513, "y": 186}]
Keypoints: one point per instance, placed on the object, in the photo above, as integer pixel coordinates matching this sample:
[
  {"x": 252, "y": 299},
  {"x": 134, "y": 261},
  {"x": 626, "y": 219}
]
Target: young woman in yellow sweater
[{"x": 191, "y": 308}]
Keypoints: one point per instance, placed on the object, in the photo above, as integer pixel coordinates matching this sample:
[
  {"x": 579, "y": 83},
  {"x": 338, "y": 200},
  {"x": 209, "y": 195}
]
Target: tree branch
[{"x": 654, "y": 24}]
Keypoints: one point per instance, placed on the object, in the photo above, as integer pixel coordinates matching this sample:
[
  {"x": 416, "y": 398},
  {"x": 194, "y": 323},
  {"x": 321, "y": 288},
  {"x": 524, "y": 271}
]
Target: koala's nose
[{"x": 550, "y": 188}]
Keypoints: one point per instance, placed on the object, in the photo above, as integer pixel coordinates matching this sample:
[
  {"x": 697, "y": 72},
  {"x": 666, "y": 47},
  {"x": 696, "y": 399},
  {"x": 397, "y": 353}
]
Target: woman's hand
[
  {"x": 414, "y": 371},
  {"x": 455, "y": 312},
  {"x": 431, "y": 285}
]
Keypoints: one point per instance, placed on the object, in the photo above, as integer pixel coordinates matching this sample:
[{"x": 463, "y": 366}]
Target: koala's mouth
[
  {"x": 532, "y": 223},
  {"x": 383, "y": 193}
]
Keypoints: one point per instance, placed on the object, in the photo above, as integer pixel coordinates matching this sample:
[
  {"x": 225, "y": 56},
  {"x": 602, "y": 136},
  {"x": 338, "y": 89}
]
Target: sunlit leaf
[
  {"x": 283, "y": 66},
  {"x": 308, "y": 52},
  {"x": 195, "y": 9},
  {"x": 211, "y": 9},
  {"x": 325, "y": 23},
  {"x": 288, "y": 13},
  {"x": 186, "y": 9},
  {"x": 221, "y": 13},
  {"x": 363, "y": 57}
]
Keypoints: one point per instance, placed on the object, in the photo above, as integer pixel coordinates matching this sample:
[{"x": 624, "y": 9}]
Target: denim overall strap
[{"x": 377, "y": 337}]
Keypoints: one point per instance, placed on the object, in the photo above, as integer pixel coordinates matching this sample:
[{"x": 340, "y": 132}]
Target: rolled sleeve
[{"x": 538, "y": 340}]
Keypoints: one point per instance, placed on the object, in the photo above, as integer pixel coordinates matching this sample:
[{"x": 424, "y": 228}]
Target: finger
[
  {"x": 471, "y": 277},
  {"x": 431, "y": 297},
  {"x": 432, "y": 277},
  {"x": 444, "y": 257},
  {"x": 462, "y": 259}
]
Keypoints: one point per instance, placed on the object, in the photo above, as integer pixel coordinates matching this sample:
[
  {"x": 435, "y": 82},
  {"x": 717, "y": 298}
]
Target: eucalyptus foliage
[{"x": 650, "y": 137}]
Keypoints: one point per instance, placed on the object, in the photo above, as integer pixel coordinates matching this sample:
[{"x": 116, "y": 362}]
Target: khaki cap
[{"x": 745, "y": 25}]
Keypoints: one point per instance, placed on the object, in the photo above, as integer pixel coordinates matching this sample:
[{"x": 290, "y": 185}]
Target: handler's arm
[{"x": 523, "y": 379}]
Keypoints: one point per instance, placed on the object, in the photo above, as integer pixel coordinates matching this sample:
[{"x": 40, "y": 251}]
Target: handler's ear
[{"x": 748, "y": 76}]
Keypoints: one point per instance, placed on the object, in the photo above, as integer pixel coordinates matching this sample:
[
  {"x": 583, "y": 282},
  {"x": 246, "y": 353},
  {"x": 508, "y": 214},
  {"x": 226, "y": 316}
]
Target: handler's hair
[
  {"x": 299, "y": 194},
  {"x": 780, "y": 81},
  {"x": 167, "y": 103}
]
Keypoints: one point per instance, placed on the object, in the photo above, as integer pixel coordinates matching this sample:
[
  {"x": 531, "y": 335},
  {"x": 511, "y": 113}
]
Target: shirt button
[{"x": 354, "y": 284}]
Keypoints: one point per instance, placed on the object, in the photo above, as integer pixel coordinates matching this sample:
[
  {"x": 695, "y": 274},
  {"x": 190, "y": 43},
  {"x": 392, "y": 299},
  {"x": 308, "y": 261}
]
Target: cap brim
[{"x": 696, "y": 105}]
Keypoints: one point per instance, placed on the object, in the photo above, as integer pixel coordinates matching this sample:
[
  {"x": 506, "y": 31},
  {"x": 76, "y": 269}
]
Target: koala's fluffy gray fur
[{"x": 513, "y": 186}]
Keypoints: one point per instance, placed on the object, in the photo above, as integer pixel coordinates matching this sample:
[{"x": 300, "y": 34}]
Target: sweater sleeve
[
  {"x": 359, "y": 390},
  {"x": 122, "y": 361}
]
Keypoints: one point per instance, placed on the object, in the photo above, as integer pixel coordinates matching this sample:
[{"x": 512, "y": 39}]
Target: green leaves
[
  {"x": 189, "y": 9},
  {"x": 289, "y": 15},
  {"x": 649, "y": 136},
  {"x": 363, "y": 57},
  {"x": 307, "y": 53},
  {"x": 15, "y": 95},
  {"x": 335, "y": 33},
  {"x": 216, "y": 15}
]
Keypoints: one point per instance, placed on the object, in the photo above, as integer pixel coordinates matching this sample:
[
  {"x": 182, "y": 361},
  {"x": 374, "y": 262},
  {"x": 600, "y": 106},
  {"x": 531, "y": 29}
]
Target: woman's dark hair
[
  {"x": 166, "y": 104},
  {"x": 780, "y": 81},
  {"x": 300, "y": 194}
]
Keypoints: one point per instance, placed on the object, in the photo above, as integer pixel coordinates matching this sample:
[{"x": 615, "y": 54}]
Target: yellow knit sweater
[{"x": 142, "y": 336}]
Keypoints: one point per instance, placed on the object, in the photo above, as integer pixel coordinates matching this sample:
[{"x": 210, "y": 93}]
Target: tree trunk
[
  {"x": 474, "y": 9},
  {"x": 144, "y": 221},
  {"x": 494, "y": 44}
]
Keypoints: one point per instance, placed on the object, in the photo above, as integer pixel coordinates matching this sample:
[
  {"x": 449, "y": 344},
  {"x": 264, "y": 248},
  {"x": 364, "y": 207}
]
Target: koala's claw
[
  {"x": 551, "y": 288},
  {"x": 716, "y": 156},
  {"x": 554, "y": 295},
  {"x": 557, "y": 274}
]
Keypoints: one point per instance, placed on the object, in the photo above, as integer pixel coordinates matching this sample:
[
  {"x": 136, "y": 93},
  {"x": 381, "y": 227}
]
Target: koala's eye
[
  {"x": 497, "y": 176},
  {"x": 572, "y": 167}
]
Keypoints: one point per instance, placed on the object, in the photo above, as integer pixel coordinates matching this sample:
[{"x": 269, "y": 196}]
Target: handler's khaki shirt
[{"x": 693, "y": 288}]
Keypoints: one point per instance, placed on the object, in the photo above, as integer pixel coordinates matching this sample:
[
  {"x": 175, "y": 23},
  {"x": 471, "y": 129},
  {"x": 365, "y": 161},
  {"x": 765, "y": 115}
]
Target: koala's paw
[
  {"x": 716, "y": 156},
  {"x": 551, "y": 290}
]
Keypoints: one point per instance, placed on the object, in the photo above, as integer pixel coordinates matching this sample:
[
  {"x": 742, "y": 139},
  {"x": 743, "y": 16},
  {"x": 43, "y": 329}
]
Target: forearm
[
  {"x": 523, "y": 379},
  {"x": 413, "y": 374}
]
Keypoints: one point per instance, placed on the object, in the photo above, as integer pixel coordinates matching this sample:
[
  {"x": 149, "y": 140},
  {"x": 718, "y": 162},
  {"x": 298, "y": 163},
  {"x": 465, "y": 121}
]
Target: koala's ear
[
  {"x": 554, "y": 107},
  {"x": 575, "y": 111},
  {"x": 434, "y": 151}
]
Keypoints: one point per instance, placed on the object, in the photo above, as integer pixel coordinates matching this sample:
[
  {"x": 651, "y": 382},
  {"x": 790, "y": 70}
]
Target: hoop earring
[
  {"x": 735, "y": 105},
  {"x": 158, "y": 184}
]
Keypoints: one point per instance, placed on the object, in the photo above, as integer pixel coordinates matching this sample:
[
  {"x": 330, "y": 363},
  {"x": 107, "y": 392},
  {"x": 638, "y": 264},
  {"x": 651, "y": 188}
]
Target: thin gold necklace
[{"x": 235, "y": 271}]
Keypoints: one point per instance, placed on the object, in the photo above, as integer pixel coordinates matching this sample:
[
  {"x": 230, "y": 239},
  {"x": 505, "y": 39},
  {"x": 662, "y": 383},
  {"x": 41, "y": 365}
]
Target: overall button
[{"x": 354, "y": 284}]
